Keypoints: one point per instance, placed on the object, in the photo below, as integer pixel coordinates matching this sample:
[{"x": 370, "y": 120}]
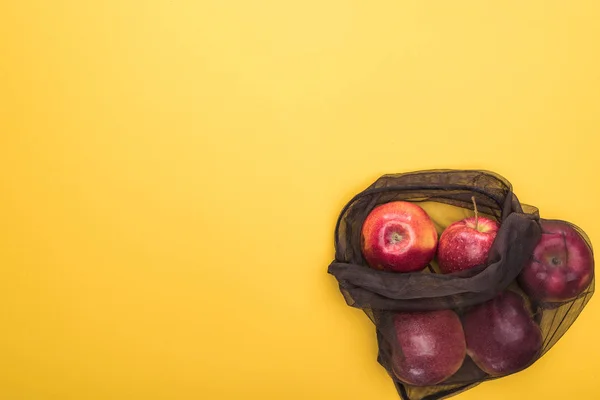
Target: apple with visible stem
[
  {"x": 398, "y": 236},
  {"x": 502, "y": 337},
  {"x": 429, "y": 346},
  {"x": 465, "y": 244},
  {"x": 562, "y": 266}
]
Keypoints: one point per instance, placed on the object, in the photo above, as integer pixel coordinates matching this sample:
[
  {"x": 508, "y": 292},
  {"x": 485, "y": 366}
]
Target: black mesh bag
[{"x": 439, "y": 334}]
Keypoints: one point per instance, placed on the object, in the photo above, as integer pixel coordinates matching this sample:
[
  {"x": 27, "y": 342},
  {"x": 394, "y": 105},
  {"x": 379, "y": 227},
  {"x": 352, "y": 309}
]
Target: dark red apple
[
  {"x": 430, "y": 347},
  {"x": 398, "y": 236},
  {"x": 465, "y": 244},
  {"x": 562, "y": 265},
  {"x": 502, "y": 337}
]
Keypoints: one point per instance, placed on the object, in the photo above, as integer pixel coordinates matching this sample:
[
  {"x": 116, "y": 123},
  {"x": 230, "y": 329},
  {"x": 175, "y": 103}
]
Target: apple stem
[{"x": 476, "y": 213}]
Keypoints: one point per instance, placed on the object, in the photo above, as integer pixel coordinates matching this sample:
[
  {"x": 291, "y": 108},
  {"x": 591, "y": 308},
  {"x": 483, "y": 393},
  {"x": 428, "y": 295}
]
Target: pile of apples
[{"x": 500, "y": 335}]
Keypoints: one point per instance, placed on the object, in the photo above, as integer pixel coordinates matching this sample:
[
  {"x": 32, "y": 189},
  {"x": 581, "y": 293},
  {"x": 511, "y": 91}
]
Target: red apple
[
  {"x": 430, "y": 347},
  {"x": 465, "y": 244},
  {"x": 562, "y": 265},
  {"x": 398, "y": 236},
  {"x": 502, "y": 338}
]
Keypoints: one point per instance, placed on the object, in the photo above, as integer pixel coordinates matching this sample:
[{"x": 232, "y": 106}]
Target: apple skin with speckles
[
  {"x": 502, "y": 337},
  {"x": 398, "y": 236},
  {"x": 465, "y": 244},
  {"x": 430, "y": 346},
  {"x": 562, "y": 266}
]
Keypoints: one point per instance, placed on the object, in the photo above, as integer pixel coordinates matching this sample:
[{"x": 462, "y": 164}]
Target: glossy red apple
[
  {"x": 430, "y": 347},
  {"x": 501, "y": 335},
  {"x": 398, "y": 236},
  {"x": 465, "y": 244},
  {"x": 562, "y": 265}
]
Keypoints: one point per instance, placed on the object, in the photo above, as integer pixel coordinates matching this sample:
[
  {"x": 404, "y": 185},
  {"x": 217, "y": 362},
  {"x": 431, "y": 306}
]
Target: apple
[
  {"x": 430, "y": 346},
  {"x": 398, "y": 236},
  {"x": 562, "y": 266},
  {"x": 465, "y": 244},
  {"x": 502, "y": 337}
]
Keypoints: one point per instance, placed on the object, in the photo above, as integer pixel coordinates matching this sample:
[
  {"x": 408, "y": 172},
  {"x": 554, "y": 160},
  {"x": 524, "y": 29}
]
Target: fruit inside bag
[{"x": 463, "y": 282}]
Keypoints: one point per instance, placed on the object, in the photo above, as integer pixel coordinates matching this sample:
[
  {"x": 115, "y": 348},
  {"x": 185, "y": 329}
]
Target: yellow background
[{"x": 171, "y": 172}]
